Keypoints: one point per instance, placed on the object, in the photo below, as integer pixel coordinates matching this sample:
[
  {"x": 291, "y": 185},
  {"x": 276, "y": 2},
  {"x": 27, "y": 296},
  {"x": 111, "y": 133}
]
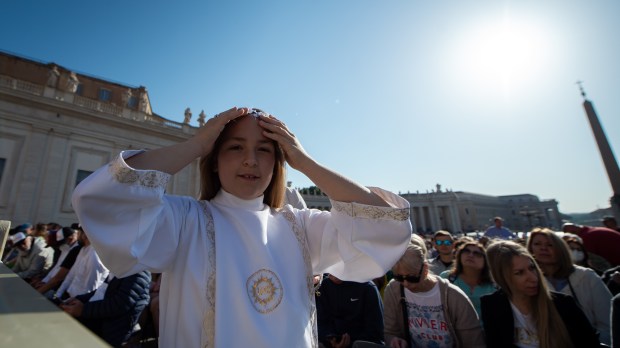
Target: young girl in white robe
[{"x": 237, "y": 266}]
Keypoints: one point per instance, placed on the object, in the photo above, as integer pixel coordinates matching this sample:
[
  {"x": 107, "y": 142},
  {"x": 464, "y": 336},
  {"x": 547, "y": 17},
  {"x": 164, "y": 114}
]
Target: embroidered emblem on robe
[{"x": 265, "y": 290}]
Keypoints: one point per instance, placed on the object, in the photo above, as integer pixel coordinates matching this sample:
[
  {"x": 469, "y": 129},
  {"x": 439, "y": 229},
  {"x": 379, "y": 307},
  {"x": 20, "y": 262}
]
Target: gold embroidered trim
[
  {"x": 146, "y": 178},
  {"x": 303, "y": 246},
  {"x": 209, "y": 320},
  {"x": 371, "y": 212}
]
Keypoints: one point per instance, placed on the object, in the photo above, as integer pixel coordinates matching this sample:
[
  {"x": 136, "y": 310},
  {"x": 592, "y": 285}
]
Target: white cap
[{"x": 18, "y": 237}]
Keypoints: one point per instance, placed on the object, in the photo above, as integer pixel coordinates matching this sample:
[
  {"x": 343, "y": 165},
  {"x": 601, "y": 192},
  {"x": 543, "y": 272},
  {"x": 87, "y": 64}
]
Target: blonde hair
[
  {"x": 563, "y": 259},
  {"x": 552, "y": 332},
  {"x": 210, "y": 181},
  {"x": 414, "y": 256}
]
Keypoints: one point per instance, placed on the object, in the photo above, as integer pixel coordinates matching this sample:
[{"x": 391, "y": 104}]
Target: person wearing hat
[
  {"x": 498, "y": 231},
  {"x": 9, "y": 255},
  {"x": 67, "y": 239},
  {"x": 33, "y": 257}
]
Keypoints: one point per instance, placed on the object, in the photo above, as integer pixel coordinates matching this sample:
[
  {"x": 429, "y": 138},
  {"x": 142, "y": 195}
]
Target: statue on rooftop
[
  {"x": 126, "y": 96},
  {"x": 188, "y": 116},
  {"x": 72, "y": 83},
  {"x": 201, "y": 118},
  {"x": 52, "y": 77}
]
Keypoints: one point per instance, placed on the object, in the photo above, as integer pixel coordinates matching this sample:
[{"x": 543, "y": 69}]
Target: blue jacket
[{"x": 114, "y": 317}]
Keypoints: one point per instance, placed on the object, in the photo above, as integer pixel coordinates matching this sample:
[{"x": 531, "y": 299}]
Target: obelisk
[{"x": 609, "y": 160}]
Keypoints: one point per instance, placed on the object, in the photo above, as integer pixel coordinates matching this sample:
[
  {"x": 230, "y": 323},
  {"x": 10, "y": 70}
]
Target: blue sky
[{"x": 479, "y": 96}]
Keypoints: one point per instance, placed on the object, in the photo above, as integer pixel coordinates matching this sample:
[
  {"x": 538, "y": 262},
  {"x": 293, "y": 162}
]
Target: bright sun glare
[{"x": 500, "y": 57}]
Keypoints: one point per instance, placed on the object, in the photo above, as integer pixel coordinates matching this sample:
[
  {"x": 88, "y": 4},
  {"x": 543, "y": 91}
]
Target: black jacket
[
  {"x": 350, "y": 307},
  {"x": 114, "y": 317},
  {"x": 498, "y": 320}
]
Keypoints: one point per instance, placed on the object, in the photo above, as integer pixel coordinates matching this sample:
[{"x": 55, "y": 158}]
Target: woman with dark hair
[
  {"x": 583, "y": 284},
  {"x": 470, "y": 272},
  {"x": 238, "y": 249},
  {"x": 523, "y": 312}
]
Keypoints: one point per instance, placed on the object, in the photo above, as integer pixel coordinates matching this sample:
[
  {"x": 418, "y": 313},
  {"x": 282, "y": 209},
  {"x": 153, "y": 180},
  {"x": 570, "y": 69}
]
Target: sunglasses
[
  {"x": 446, "y": 242},
  {"x": 476, "y": 253},
  {"x": 409, "y": 278}
]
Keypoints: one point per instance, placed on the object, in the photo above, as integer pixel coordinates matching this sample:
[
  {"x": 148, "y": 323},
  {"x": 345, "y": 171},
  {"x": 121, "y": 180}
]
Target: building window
[
  {"x": 105, "y": 94},
  {"x": 81, "y": 175},
  {"x": 133, "y": 102},
  {"x": 2, "y": 162},
  {"x": 80, "y": 89}
]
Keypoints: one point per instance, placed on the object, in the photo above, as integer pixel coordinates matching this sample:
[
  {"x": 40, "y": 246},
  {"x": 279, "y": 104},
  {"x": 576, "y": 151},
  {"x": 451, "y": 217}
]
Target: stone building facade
[
  {"x": 462, "y": 212},
  {"x": 55, "y": 131}
]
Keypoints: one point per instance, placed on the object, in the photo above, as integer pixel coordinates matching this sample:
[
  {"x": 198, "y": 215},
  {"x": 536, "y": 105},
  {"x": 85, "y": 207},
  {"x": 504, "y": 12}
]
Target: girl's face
[
  {"x": 524, "y": 279},
  {"x": 246, "y": 159},
  {"x": 543, "y": 250},
  {"x": 472, "y": 257}
]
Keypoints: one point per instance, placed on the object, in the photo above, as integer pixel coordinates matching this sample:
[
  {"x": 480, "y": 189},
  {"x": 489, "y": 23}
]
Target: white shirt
[
  {"x": 64, "y": 251},
  {"x": 428, "y": 326},
  {"x": 86, "y": 275},
  {"x": 526, "y": 334},
  {"x": 257, "y": 260}
]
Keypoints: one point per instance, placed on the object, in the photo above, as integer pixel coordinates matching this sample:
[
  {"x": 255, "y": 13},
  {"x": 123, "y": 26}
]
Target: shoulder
[
  {"x": 561, "y": 298},
  {"x": 392, "y": 289},
  {"x": 495, "y": 297},
  {"x": 450, "y": 288},
  {"x": 583, "y": 273}
]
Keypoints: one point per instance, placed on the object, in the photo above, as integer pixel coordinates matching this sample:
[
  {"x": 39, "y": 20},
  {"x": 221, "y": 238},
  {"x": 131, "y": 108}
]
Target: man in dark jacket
[
  {"x": 113, "y": 317},
  {"x": 348, "y": 312}
]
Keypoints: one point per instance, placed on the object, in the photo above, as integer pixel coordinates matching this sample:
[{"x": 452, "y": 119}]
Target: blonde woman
[
  {"x": 424, "y": 310},
  {"x": 553, "y": 256},
  {"x": 523, "y": 312}
]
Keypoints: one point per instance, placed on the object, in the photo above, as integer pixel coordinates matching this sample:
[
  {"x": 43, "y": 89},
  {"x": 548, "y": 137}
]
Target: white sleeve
[
  {"x": 129, "y": 220},
  {"x": 358, "y": 242}
]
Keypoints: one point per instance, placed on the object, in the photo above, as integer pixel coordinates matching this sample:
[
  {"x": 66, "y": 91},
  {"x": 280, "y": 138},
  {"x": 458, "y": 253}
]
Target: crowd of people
[
  {"x": 61, "y": 264},
  {"x": 494, "y": 291},
  {"x": 248, "y": 264}
]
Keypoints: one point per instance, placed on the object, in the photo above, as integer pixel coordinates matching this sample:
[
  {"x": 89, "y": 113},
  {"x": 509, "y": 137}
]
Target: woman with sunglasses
[
  {"x": 424, "y": 310},
  {"x": 523, "y": 312},
  {"x": 471, "y": 272},
  {"x": 553, "y": 256}
]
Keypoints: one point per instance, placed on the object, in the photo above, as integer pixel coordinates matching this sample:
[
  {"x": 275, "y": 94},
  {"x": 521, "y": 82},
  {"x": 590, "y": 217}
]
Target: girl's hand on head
[
  {"x": 276, "y": 130},
  {"x": 206, "y": 135}
]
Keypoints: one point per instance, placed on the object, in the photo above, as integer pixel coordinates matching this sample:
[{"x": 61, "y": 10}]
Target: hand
[
  {"x": 207, "y": 134},
  {"x": 344, "y": 341},
  {"x": 398, "y": 342},
  {"x": 72, "y": 307},
  {"x": 275, "y": 129}
]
